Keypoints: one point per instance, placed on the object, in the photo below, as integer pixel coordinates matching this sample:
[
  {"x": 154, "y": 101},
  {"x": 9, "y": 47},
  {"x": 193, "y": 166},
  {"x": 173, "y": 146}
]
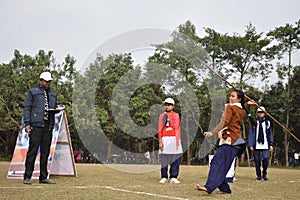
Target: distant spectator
[
  {"x": 291, "y": 157},
  {"x": 79, "y": 158},
  {"x": 75, "y": 153},
  {"x": 147, "y": 156},
  {"x": 296, "y": 159}
]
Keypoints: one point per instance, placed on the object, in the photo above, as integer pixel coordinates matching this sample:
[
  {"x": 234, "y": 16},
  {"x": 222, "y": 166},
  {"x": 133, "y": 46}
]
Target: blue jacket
[
  {"x": 34, "y": 107},
  {"x": 252, "y": 135}
]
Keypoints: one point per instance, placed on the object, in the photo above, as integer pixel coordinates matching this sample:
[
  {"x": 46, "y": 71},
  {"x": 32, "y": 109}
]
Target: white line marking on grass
[
  {"x": 104, "y": 187},
  {"x": 20, "y": 187},
  {"x": 144, "y": 193},
  {"x": 294, "y": 181}
]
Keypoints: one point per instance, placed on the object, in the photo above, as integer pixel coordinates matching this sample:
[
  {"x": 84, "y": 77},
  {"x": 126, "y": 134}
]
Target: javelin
[{"x": 223, "y": 79}]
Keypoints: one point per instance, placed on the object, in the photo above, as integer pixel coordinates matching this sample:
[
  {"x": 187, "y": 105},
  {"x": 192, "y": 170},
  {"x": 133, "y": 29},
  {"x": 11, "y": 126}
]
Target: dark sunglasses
[{"x": 168, "y": 104}]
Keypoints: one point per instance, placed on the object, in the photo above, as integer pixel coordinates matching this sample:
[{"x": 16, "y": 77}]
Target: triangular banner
[
  {"x": 63, "y": 161},
  {"x": 60, "y": 160}
]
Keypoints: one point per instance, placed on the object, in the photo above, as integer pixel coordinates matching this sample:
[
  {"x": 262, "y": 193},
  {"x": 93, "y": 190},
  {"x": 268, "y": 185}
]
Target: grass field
[{"x": 97, "y": 181}]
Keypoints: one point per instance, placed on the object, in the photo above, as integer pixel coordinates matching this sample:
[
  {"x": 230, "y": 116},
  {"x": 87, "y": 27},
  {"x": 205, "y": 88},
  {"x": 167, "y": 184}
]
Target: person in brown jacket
[{"x": 229, "y": 132}]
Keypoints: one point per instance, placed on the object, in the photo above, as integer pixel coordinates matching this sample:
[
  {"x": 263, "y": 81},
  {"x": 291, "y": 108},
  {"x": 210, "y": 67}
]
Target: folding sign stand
[{"x": 60, "y": 160}]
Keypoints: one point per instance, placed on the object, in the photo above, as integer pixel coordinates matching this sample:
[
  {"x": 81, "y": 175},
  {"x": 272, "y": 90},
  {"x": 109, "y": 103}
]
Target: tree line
[{"x": 247, "y": 59}]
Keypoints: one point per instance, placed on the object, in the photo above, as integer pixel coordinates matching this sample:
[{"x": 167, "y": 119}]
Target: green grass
[{"x": 97, "y": 181}]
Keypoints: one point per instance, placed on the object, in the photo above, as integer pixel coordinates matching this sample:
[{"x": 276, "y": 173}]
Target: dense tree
[
  {"x": 272, "y": 100},
  {"x": 123, "y": 100},
  {"x": 97, "y": 104},
  {"x": 180, "y": 57},
  {"x": 21, "y": 74},
  {"x": 287, "y": 40},
  {"x": 247, "y": 56},
  {"x": 295, "y": 108},
  {"x": 240, "y": 58}
]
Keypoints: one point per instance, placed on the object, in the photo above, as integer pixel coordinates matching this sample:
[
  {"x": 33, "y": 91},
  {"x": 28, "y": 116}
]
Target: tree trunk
[
  {"x": 6, "y": 147},
  {"x": 109, "y": 150},
  {"x": 129, "y": 145},
  {"x": 153, "y": 151},
  {"x": 188, "y": 142},
  {"x": 286, "y": 148},
  {"x": 9, "y": 140},
  {"x": 270, "y": 159},
  {"x": 273, "y": 155},
  {"x": 286, "y": 143},
  {"x": 247, "y": 151}
]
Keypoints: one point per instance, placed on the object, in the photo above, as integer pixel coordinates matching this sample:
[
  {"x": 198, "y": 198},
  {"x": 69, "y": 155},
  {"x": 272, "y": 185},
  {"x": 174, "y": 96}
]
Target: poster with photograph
[{"x": 57, "y": 157}]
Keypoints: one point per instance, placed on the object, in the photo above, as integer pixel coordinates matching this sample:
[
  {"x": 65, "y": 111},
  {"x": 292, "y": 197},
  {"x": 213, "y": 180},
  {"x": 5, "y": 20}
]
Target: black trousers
[{"x": 39, "y": 137}]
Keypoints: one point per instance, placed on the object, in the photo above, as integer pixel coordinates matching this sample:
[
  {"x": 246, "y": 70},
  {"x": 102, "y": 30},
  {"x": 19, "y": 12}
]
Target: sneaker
[
  {"x": 265, "y": 178},
  {"x": 258, "y": 178},
  {"x": 163, "y": 180},
  {"x": 174, "y": 180}
]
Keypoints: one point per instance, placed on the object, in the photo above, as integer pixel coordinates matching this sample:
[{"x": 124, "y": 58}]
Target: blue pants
[
  {"x": 219, "y": 167},
  {"x": 174, "y": 161},
  {"x": 261, "y": 156}
]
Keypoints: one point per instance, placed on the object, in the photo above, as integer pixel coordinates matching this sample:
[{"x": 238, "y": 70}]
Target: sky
[{"x": 79, "y": 27}]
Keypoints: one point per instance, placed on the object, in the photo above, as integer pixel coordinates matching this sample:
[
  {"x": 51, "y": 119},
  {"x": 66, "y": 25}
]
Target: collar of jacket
[{"x": 235, "y": 104}]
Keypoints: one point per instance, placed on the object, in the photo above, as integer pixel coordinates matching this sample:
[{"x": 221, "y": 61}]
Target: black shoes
[
  {"x": 259, "y": 178},
  {"x": 46, "y": 181},
  {"x": 27, "y": 181}
]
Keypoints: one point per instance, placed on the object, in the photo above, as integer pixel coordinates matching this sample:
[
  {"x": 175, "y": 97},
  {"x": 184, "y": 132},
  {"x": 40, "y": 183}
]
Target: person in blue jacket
[
  {"x": 39, "y": 108},
  {"x": 260, "y": 141}
]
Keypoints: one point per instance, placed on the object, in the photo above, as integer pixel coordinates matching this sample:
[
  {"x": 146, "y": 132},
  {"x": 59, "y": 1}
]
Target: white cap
[
  {"x": 170, "y": 101},
  {"x": 261, "y": 109},
  {"x": 46, "y": 76}
]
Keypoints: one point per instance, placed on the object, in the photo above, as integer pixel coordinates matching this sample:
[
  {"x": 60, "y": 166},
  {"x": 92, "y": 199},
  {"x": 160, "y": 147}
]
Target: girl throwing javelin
[{"x": 229, "y": 145}]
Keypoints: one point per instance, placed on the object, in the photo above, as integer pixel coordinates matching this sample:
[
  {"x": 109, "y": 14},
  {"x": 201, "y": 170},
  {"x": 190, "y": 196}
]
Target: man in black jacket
[{"x": 39, "y": 107}]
